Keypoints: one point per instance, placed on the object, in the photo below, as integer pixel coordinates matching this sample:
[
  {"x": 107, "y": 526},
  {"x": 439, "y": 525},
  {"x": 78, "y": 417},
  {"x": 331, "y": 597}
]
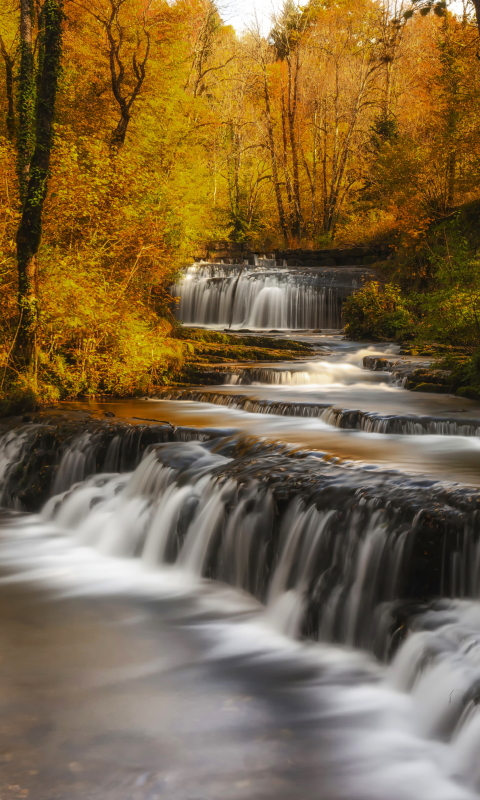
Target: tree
[
  {"x": 26, "y": 97},
  {"x": 128, "y": 41},
  {"x": 30, "y": 227},
  {"x": 8, "y": 55},
  {"x": 286, "y": 37}
]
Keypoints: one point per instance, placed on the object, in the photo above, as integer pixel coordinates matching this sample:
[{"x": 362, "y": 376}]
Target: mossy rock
[
  {"x": 439, "y": 377},
  {"x": 470, "y": 392},
  {"x": 433, "y": 388}
]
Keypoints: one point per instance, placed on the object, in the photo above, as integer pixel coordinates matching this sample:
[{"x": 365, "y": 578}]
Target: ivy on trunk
[{"x": 30, "y": 227}]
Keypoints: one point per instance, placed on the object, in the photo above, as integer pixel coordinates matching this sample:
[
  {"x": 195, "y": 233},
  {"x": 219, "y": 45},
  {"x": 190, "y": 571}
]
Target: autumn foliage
[{"x": 349, "y": 122}]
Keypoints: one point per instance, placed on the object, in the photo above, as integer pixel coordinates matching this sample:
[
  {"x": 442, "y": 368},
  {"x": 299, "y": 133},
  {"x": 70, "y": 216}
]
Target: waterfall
[
  {"x": 340, "y": 552},
  {"x": 259, "y": 299},
  {"x": 335, "y": 553},
  {"x": 38, "y": 460},
  {"x": 316, "y": 373},
  {"x": 346, "y": 419}
]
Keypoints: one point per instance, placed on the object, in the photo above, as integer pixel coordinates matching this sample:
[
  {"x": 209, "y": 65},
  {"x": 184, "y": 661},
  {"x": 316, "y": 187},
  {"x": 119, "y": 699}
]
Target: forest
[{"x": 133, "y": 132}]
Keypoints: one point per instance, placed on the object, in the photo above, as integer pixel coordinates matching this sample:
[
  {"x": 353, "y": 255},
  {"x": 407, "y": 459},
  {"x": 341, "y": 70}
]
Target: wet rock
[
  {"x": 375, "y": 363},
  {"x": 416, "y": 376},
  {"x": 42, "y": 467}
]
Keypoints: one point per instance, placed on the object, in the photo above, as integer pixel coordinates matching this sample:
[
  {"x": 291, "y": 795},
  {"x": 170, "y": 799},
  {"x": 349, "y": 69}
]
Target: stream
[{"x": 265, "y": 589}]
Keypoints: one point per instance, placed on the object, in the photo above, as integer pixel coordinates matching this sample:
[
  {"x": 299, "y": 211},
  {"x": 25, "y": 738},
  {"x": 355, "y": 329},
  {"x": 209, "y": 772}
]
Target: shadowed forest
[{"x": 134, "y": 132}]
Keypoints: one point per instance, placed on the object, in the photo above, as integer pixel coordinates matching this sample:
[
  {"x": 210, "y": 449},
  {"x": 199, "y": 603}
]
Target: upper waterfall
[{"x": 263, "y": 297}]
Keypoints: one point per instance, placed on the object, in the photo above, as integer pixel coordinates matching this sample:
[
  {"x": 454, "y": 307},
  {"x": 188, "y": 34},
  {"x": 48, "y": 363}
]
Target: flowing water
[
  {"x": 267, "y": 588},
  {"x": 263, "y": 298}
]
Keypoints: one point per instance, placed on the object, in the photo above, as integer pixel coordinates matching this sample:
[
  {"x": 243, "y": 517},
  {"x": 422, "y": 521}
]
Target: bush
[
  {"x": 448, "y": 316},
  {"x": 376, "y": 312}
]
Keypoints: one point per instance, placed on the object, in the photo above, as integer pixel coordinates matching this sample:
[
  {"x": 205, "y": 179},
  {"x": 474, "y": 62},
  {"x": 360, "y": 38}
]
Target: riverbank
[
  {"x": 427, "y": 299},
  {"x": 200, "y": 356},
  {"x": 341, "y": 403}
]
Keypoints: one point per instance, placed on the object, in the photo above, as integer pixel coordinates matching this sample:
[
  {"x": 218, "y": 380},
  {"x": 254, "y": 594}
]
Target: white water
[
  {"x": 373, "y": 741},
  {"x": 307, "y": 548},
  {"x": 256, "y": 299}
]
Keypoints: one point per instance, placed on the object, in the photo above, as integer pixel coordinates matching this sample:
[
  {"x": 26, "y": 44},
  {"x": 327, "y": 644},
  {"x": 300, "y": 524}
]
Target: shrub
[
  {"x": 450, "y": 316},
  {"x": 376, "y": 312}
]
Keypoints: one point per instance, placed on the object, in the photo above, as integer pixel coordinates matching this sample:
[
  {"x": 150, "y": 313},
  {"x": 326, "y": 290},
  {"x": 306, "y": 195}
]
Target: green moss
[
  {"x": 209, "y": 348},
  {"x": 472, "y": 392},
  {"x": 200, "y": 335},
  {"x": 434, "y": 388}
]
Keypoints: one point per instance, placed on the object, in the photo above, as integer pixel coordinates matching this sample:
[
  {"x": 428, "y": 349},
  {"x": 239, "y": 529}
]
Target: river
[{"x": 262, "y": 589}]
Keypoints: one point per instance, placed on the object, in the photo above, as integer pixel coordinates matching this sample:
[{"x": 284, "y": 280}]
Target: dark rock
[{"x": 375, "y": 363}]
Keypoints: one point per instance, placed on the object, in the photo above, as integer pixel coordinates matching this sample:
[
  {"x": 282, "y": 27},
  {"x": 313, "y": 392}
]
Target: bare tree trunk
[
  {"x": 117, "y": 137},
  {"x": 30, "y": 227},
  {"x": 292, "y": 114},
  {"x": 451, "y": 175},
  {"x": 273, "y": 158},
  {"x": 288, "y": 183}
]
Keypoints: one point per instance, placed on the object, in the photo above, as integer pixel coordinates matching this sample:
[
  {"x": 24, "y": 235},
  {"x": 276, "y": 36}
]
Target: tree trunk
[
  {"x": 292, "y": 114},
  {"x": 451, "y": 175},
  {"x": 30, "y": 227},
  {"x": 288, "y": 183},
  {"x": 476, "y": 4},
  {"x": 26, "y": 98},
  {"x": 273, "y": 159},
  {"x": 117, "y": 138},
  {"x": 9, "y": 63}
]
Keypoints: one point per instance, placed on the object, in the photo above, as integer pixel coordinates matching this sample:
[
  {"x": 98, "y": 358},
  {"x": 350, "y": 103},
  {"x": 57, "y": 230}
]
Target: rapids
[{"x": 273, "y": 594}]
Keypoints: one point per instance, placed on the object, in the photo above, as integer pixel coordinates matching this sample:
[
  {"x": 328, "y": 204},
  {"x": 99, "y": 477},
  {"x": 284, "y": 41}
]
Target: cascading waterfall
[
  {"x": 346, "y": 419},
  {"x": 336, "y": 553},
  {"x": 315, "y": 373},
  {"x": 343, "y": 552},
  {"x": 340, "y": 553},
  {"x": 244, "y": 297},
  {"x": 38, "y": 460}
]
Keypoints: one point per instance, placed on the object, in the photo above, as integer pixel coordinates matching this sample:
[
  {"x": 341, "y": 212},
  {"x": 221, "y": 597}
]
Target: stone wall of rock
[{"x": 331, "y": 257}]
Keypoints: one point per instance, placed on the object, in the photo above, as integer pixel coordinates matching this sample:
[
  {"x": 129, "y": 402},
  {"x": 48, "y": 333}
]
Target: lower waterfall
[
  {"x": 333, "y": 555},
  {"x": 349, "y": 555}
]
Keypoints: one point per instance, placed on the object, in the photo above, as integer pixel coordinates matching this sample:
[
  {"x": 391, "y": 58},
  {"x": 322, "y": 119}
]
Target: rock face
[
  {"x": 418, "y": 376},
  {"x": 331, "y": 257}
]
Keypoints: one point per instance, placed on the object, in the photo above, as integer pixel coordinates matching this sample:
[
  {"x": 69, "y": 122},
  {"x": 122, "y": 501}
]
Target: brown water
[{"x": 339, "y": 380}]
